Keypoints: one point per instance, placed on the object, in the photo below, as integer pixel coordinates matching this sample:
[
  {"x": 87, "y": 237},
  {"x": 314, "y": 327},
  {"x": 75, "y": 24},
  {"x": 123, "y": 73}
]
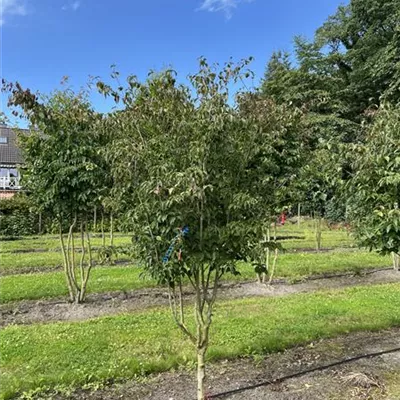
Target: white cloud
[
  {"x": 75, "y": 5},
  {"x": 225, "y": 6},
  {"x": 71, "y": 6},
  {"x": 11, "y": 7}
]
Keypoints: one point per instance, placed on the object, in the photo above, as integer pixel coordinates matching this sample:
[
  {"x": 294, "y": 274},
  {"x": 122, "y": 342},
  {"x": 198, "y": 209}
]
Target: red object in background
[{"x": 283, "y": 218}]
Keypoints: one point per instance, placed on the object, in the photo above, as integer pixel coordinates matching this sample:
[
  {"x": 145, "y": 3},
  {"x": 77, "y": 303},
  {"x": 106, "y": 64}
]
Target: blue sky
[{"x": 44, "y": 40}]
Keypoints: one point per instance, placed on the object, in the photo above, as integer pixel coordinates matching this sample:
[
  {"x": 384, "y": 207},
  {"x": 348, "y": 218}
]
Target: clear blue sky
[{"x": 43, "y": 40}]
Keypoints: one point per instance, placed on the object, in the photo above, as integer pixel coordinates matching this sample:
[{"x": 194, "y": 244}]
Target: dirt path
[
  {"x": 375, "y": 378},
  {"x": 26, "y": 312}
]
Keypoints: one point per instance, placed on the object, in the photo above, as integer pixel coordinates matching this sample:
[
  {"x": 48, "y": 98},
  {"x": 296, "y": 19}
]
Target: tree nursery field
[{"x": 215, "y": 235}]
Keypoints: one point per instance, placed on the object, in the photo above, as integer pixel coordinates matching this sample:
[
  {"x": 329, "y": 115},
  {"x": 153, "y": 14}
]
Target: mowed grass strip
[
  {"x": 53, "y": 284},
  {"x": 14, "y": 263},
  {"x": 334, "y": 238},
  {"x": 17, "y": 261},
  {"x": 104, "y": 279},
  {"x": 73, "y": 354},
  {"x": 50, "y": 243}
]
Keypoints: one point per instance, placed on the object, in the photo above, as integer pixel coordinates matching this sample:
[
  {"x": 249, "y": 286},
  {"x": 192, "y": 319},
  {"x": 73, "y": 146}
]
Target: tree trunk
[
  {"x": 298, "y": 214},
  {"x": 85, "y": 276},
  {"x": 318, "y": 233},
  {"x": 66, "y": 268},
  {"x": 396, "y": 261},
  {"x": 271, "y": 275},
  {"x": 103, "y": 238},
  {"x": 40, "y": 223},
  {"x": 267, "y": 253},
  {"x": 95, "y": 219},
  {"x": 111, "y": 230},
  {"x": 201, "y": 373}
]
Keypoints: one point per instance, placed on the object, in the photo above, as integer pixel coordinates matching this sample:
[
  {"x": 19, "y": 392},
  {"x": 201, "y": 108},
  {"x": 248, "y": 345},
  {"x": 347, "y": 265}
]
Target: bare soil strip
[
  {"x": 376, "y": 378},
  {"x": 112, "y": 303}
]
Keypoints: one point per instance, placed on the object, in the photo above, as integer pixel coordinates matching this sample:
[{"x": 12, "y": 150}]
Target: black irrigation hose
[{"x": 297, "y": 374}]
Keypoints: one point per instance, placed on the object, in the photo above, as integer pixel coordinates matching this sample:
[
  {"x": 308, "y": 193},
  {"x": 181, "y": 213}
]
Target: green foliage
[
  {"x": 335, "y": 210},
  {"x": 62, "y": 166},
  {"x": 350, "y": 65},
  {"x": 65, "y": 172},
  {"x": 374, "y": 190},
  {"x": 178, "y": 157},
  {"x": 107, "y": 254},
  {"x": 363, "y": 42},
  {"x": 16, "y": 216},
  {"x": 320, "y": 178}
]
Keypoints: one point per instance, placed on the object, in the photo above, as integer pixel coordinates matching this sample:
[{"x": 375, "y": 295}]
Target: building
[{"x": 10, "y": 161}]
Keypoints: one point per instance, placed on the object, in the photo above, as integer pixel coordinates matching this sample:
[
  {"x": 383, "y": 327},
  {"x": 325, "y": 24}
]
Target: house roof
[{"x": 9, "y": 152}]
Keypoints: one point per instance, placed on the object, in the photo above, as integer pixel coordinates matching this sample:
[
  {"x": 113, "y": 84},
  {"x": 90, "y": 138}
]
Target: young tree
[
  {"x": 319, "y": 183},
  {"x": 183, "y": 152},
  {"x": 374, "y": 187},
  {"x": 269, "y": 181},
  {"x": 62, "y": 171}
]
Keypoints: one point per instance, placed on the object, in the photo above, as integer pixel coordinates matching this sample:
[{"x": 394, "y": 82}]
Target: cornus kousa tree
[
  {"x": 269, "y": 180},
  {"x": 374, "y": 187},
  {"x": 63, "y": 171},
  {"x": 179, "y": 154}
]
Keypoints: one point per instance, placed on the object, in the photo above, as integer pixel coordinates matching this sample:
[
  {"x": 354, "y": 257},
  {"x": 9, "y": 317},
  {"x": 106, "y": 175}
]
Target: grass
[
  {"x": 52, "y": 284},
  {"x": 11, "y": 261},
  {"x": 47, "y": 356},
  {"x": 104, "y": 279},
  {"x": 330, "y": 238},
  {"x": 392, "y": 385},
  {"x": 52, "y": 243},
  {"x": 15, "y": 262},
  {"x": 300, "y": 265}
]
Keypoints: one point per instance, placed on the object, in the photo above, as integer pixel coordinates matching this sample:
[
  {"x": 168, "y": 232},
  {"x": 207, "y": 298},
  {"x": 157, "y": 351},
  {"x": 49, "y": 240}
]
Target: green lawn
[
  {"x": 73, "y": 354},
  {"x": 103, "y": 279},
  {"x": 16, "y": 261},
  {"x": 51, "y": 243},
  {"x": 22, "y": 262},
  {"x": 330, "y": 238},
  {"x": 12, "y": 262}
]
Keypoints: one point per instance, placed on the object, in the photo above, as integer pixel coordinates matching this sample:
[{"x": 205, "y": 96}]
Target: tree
[
  {"x": 344, "y": 73},
  {"x": 374, "y": 187},
  {"x": 269, "y": 181},
  {"x": 319, "y": 183},
  {"x": 62, "y": 170},
  {"x": 363, "y": 43},
  {"x": 313, "y": 87},
  {"x": 182, "y": 160}
]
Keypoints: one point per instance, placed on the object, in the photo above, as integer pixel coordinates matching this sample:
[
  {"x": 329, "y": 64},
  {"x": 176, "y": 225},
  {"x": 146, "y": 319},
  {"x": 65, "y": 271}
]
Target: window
[
  {"x": 3, "y": 140},
  {"x": 13, "y": 173}
]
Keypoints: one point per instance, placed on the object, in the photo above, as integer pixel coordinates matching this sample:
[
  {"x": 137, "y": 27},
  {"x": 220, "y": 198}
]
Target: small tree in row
[
  {"x": 201, "y": 180},
  {"x": 184, "y": 156},
  {"x": 374, "y": 187},
  {"x": 269, "y": 180},
  {"x": 63, "y": 171}
]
